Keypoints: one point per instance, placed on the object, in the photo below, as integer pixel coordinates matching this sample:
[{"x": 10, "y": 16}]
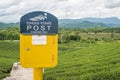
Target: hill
[
  {"x": 90, "y": 22},
  {"x": 78, "y": 23},
  {"x": 109, "y": 20},
  {"x": 6, "y": 25}
]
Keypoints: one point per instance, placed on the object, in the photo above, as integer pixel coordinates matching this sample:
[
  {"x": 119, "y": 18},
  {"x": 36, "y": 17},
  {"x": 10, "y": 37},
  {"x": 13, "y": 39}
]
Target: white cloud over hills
[{"x": 12, "y": 10}]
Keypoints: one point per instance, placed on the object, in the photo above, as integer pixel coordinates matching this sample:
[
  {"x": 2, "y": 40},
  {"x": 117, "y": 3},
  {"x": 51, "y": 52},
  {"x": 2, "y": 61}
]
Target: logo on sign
[
  {"x": 38, "y": 24},
  {"x": 39, "y": 17}
]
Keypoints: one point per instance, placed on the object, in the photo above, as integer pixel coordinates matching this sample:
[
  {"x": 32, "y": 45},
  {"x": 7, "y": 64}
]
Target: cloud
[
  {"x": 112, "y": 3},
  {"x": 12, "y": 10},
  {"x": 8, "y": 3}
]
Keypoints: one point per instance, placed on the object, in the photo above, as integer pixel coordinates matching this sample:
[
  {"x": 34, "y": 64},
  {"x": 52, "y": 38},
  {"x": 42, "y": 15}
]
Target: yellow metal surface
[
  {"x": 38, "y": 74},
  {"x": 38, "y": 55}
]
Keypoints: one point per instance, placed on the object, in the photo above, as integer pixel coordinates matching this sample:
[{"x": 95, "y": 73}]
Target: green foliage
[
  {"x": 68, "y": 36},
  {"x": 92, "y": 30},
  {"x": 9, "y": 34},
  {"x": 86, "y": 61},
  {"x": 7, "y": 25},
  {"x": 77, "y": 61},
  {"x": 75, "y": 37},
  {"x": 9, "y": 53},
  {"x": 88, "y": 34},
  {"x": 84, "y": 54}
]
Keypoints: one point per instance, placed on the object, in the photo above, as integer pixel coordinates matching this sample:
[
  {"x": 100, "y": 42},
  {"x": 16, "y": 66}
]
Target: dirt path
[{"x": 20, "y": 73}]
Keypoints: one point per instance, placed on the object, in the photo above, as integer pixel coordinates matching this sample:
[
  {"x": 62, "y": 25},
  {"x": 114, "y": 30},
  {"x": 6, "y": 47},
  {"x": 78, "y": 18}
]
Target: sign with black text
[{"x": 39, "y": 22}]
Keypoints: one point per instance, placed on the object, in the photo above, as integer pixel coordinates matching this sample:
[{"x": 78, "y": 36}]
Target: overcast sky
[{"x": 12, "y": 10}]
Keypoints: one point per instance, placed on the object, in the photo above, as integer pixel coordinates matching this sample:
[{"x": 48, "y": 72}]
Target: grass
[
  {"x": 9, "y": 53},
  {"x": 99, "y": 35},
  {"x": 98, "y": 61},
  {"x": 77, "y": 61}
]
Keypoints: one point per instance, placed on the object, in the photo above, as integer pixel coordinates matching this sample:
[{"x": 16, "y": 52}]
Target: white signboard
[{"x": 39, "y": 39}]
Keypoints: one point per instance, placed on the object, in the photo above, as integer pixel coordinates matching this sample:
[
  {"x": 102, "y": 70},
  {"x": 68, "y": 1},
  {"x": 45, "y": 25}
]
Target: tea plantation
[
  {"x": 83, "y": 61},
  {"x": 9, "y": 53},
  {"x": 77, "y": 61}
]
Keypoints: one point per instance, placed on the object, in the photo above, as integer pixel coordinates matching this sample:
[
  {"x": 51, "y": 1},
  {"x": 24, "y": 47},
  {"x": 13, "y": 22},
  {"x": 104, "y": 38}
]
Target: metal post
[{"x": 38, "y": 73}]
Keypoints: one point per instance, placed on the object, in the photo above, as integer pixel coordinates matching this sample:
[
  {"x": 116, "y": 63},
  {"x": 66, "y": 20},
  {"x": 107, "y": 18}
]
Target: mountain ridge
[
  {"x": 6, "y": 25},
  {"x": 93, "y": 22},
  {"x": 108, "y": 20},
  {"x": 87, "y": 22}
]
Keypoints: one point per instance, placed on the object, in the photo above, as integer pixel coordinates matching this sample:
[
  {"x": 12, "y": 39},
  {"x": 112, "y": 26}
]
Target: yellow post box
[
  {"x": 38, "y": 50},
  {"x": 38, "y": 40}
]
